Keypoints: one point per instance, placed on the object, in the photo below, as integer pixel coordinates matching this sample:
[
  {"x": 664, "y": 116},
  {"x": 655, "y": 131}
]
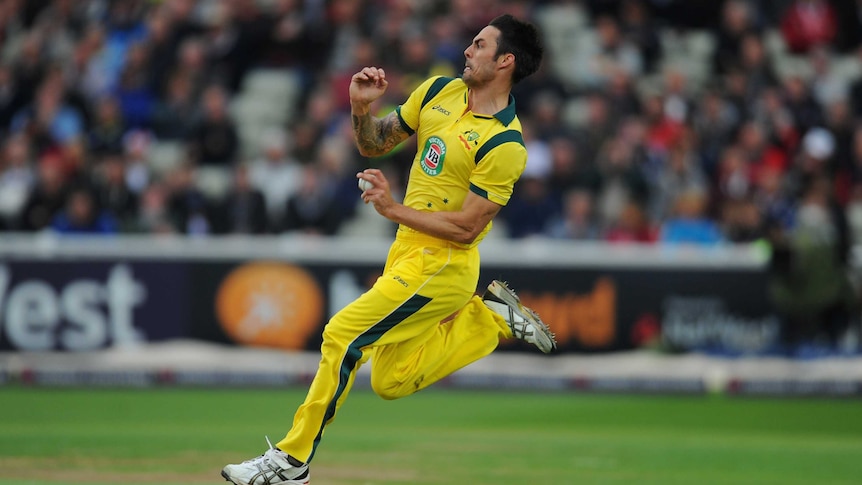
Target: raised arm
[{"x": 373, "y": 136}]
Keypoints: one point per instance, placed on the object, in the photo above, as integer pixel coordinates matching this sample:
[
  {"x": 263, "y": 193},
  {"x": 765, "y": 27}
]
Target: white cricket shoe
[
  {"x": 274, "y": 467},
  {"x": 524, "y": 322}
]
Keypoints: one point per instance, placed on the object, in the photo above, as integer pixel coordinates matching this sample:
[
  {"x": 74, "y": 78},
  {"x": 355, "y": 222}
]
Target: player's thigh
[
  {"x": 445, "y": 284},
  {"x": 420, "y": 287}
]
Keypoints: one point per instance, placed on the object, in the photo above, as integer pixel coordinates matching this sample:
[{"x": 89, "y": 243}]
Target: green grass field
[{"x": 182, "y": 436}]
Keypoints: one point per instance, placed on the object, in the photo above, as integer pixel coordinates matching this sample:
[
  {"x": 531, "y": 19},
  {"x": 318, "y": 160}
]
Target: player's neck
[{"x": 488, "y": 100}]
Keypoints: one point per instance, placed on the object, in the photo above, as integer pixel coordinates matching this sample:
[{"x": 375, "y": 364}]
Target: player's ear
[{"x": 506, "y": 60}]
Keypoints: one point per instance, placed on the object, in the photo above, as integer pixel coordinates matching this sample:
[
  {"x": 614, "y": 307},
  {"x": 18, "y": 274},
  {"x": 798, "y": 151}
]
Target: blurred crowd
[{"x": 625, "y": 143}]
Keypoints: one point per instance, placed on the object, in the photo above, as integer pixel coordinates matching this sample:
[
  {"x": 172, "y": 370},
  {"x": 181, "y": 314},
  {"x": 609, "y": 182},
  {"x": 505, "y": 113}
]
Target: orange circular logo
[{"x": 269, "y": 304}]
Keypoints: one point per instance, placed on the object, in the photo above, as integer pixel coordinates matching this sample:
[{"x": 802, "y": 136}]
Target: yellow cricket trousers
[{"x": 397, "y": 323}]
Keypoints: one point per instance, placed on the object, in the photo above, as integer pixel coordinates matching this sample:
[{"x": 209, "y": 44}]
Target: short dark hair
[{"x": 522, "y": 40}]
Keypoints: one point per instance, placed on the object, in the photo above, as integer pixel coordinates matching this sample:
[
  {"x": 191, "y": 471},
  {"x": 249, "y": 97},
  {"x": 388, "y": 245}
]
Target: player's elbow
[{"x": 467, "y": 234}]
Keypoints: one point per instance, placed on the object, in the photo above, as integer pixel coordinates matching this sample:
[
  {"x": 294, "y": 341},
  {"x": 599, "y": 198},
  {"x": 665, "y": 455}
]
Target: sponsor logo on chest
[
  {"x": 433, "y": 155},
  {"x": 441, "y": 109}
]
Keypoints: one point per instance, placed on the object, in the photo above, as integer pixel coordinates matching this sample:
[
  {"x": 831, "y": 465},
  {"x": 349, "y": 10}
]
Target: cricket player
[{"x": 470, "y": 154}]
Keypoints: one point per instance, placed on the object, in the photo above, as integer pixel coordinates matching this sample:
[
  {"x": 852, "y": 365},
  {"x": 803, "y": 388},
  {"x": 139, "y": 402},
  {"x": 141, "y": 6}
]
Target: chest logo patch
[
  {"x": 432, "y": 156},
  {"x": 469, "y": 138}
]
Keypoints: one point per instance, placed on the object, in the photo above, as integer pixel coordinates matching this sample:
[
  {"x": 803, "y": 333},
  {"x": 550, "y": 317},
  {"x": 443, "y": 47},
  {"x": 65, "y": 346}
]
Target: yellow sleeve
[
  {"x": 499, "y": 164},
  {"x": 408, "y": 113}
]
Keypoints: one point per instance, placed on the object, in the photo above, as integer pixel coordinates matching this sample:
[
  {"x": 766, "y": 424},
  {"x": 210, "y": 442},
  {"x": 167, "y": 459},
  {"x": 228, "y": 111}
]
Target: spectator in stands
[
  {"x": 663, "y": 124},
  {"x": 545, "y": 116},
  {"x": 243, "y": 210},
  {"x": 734, "y": 179},
  {"x": 734, "y": 87},
  {"x": 276, "y": 175},
  {"x": 577, "y": 220},
  {"x": 531, "y": 207},
  {"x": 759, "y": 151},
  {"x": 235, "y": 32},
  {"x": 447, "y": 45},
  {"x": 89, "y": 65},
  {"x": 539, "y": 162},
  {"x": 81, "y": 215},
  {"x": 111, "y": 192},
  {"x": 134, "y": 91},
  {"x": 49, "y": 121},
  {"x": 106, "y": 132},
  {"x": 774, "y": 201},
  {"x": 813, "y": 161},
  {"x": 214, "y": 139},
  {"x": 597, "y": 128},
  {"x": 741, "y": 221},
  {"x": 57, "y": 22},
  {"x": 312, "y": 209},
  {"x": 569, "y": 169},
  {"x": 338, "y": 166},
  {"x": 622, "y": 97},
  {"x": 689, "y": 222},
  {"x": 161, "y": 43},
  {"x": 680, "y": 173},
  {"x": 190, "y": 210},
  {"x": 714, "y": 122},
  {"x": 17, "y": 179},
  {"x": 125, "y": 28},
  {"x": 776, "y": 119},
  {"x": 754, "y": 61},
  {"x": 543, "y": 82},
  {"x": 322, "y": 112},
  {"x": 296, "y": 34},
  {"x": 622, "y": 181},
  {"x": 737, "y": 20},
  {"x": 29, "y": 62},
  {"x": 632, "y": 226},
  {"x": 306, "y": 136},
  {"x": 417, "y": 62},
  {"x": 599, "y": 57},
  {"x": 802, "y": 104},
  {"x": 154, "y": 215},
  {"x": 826, "y": 86},
  {"x": 639, "y": 28},
  {"x": 807, "y": 24},
  {"x": 192, "y": 64},
  {"x": 12, "y": 96},
  {"x": 136, "y": 148},
  {"x": 174, "y": 113},
  {"x": 48, "y": 196},
  {"x": 676, "y": 99}
]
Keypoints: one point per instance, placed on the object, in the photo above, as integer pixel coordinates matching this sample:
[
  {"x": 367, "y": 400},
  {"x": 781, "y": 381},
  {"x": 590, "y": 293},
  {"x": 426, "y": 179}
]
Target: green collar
[{"x": 507, "y": 114}]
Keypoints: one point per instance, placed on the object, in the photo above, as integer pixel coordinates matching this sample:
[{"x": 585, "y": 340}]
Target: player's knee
[{"x": 387, "y": 388}]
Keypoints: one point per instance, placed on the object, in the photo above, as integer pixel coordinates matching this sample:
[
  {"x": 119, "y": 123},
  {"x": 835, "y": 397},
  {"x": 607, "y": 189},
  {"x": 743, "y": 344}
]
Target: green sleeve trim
[
  {"x": 404, "y": 124},
  {"x": 497, "y": 140},
  {"x": 479, "y": 191},
  {"x": 435, "y": 89}
]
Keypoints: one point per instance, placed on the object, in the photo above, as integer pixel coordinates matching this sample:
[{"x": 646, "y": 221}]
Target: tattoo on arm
[{"x": 377, "y": 136}]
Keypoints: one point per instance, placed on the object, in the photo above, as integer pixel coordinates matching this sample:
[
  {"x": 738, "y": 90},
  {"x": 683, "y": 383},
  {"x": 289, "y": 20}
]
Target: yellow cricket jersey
[{"x": 458, "y": 150}]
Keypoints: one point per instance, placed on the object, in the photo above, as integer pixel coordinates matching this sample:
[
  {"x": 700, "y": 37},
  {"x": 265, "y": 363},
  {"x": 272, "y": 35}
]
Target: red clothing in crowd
[{"x": 808, "y": 23}]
